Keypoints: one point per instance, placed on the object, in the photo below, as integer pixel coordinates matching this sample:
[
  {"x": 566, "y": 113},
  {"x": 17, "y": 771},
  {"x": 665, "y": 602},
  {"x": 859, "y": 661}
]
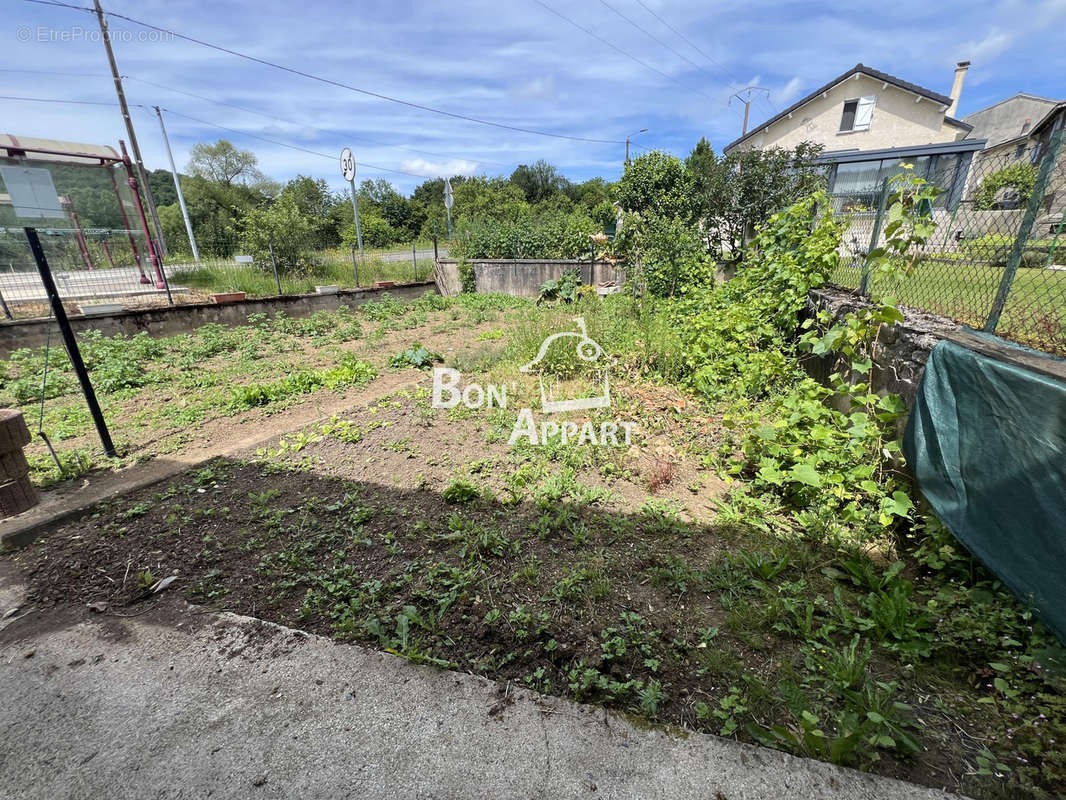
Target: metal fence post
[
  {"x": 274, "y": 264},
  {"x": 414, "y": 260},
  {"x": 355, "y": 266},
  {"x": 882, "y": 201},
  {"x": 1031, "y": 210}
]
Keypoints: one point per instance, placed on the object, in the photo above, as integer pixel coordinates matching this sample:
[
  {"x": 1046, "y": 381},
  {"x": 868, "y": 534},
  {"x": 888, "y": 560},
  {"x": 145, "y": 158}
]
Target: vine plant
[{"x": 853, "y": 339}]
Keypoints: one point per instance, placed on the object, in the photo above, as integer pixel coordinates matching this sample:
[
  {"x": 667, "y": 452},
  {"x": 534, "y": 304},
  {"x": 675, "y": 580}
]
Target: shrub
[
  {"x": 466, "y": 278},
  {"x": 1020, "y": 177},
  {"x": 551, "y": 235}
]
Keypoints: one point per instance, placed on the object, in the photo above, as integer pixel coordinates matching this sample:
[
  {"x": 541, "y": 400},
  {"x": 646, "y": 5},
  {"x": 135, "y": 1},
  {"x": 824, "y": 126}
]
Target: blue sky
[{"x": 511, "y": 61}]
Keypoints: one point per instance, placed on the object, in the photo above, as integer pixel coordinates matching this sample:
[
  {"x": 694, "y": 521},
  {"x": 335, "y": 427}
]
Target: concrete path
[{"x": 177, "y": 703}]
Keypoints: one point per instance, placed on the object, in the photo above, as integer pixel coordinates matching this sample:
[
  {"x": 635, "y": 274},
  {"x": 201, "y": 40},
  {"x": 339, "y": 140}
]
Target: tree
[
  {"x": 659, "y": 184},
  {"x": 281, "y": 226},
  {"x": 741, "y": 190},
  {"x": 223, "y": 163},
  {"x": 488, "y": 199},
  {"x": 539, "y": 181},
  {"x": 316, "y": 202},
  {"x": 590, "y": 193}
]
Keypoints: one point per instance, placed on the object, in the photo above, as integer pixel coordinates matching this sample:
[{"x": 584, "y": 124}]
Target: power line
[
  {"x": 374, "y": 167},
  {"x": 256, "y": 112},
  {"x": 615, "y": 47},
  {"x": 294, "y": 147},
  {"x": 338, "y": 84},
  {"x": 301, "y": 124},
  {"x": 688, "y": 41},
  {"x": 655, "y": 38},
  {"x": 56, "y": 100}
]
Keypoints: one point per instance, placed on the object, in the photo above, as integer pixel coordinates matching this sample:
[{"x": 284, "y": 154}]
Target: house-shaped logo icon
[{"x": 587, "y": 350}]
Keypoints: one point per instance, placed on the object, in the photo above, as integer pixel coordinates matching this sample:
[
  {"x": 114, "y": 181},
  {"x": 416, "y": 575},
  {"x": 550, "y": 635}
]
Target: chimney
[{"x": 956, "y": 87}]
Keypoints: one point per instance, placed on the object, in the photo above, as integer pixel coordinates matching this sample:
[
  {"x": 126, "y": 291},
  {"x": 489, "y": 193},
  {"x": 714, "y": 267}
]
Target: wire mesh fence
[
  {"x": 997, "y": 261},
  {"x": 108, "y": 270}
]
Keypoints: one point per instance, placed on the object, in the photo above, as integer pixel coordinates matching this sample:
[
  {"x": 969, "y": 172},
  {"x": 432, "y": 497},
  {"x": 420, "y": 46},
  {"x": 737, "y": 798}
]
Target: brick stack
[{"x": 17, "y": 494}]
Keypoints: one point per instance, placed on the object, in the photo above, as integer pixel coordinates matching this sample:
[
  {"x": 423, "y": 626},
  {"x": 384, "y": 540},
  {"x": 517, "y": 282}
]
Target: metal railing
[
  {"x": 97, "y": 271},
  {"x": 997, "y": 260}
]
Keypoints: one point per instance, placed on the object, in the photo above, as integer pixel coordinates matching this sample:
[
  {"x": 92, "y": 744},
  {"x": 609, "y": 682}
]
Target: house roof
[
  {"x": 913, "y": 151},
  {"x": 1050, "y": 115},
  {"x": 1015, "y": 96},
  {"x": 55, "y": 151},
  {"x": 899, "y": 83}
]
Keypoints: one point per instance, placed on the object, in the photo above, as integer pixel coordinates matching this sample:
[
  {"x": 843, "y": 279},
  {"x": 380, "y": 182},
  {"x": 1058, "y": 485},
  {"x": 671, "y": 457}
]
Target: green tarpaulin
[{"x": 986, "y": 441}]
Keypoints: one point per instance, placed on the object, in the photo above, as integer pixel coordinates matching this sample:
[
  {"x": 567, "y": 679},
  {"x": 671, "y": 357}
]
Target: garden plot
[
  {"x": 656, "y": 579},
  {"x": 197, "y": 394}
]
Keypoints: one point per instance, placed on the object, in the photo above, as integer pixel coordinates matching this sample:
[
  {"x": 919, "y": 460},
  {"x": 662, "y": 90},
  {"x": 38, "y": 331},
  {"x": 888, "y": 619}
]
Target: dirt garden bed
[{"x": 636, "y": 577}]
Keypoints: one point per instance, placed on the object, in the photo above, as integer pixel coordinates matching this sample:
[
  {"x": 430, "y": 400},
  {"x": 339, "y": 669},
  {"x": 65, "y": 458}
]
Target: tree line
[{"x": 678, "y": 217}]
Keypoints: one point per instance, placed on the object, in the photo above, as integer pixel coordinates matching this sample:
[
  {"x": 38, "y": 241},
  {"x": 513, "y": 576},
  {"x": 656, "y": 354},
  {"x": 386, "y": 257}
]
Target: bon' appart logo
[{"x": 553, "y": 365}]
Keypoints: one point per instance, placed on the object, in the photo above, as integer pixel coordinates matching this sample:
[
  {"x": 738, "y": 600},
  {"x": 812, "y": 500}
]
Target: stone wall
[
  {"x": 901, "y": 350},
  {"x": 171, "y": 320},
  {"x": 521, "y": 277}
]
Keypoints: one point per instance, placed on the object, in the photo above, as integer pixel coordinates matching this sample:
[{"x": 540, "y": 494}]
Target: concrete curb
[{"x": 174, "y": 704}]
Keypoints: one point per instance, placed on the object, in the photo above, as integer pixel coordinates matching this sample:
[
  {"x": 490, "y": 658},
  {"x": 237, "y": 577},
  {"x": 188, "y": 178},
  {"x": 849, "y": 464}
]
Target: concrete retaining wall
[
  {"x": 171, "y": 320},
  {"x": 901, "y": 350},
  {"x": 521, "y": 277}
]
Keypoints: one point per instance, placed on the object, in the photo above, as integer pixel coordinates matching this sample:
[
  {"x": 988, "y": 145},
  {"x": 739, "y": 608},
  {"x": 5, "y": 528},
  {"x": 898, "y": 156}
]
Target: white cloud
[
  {"x": 541, "y": 88},
  {"x": 993, "y": 44},
  {"x": 511, "y": 63},
  {"x": 442, "y": 169},
  {"x": 789, "y": 92}
]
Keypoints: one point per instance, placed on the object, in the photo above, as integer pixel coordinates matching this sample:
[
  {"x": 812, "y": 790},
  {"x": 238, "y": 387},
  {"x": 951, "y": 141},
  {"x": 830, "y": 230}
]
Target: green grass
[
  {"x": 1035, "y": 313},
  {"x": 258, "y": 280}
]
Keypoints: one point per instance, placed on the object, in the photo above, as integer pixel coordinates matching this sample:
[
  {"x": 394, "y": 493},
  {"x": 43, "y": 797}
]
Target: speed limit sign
[{"x": 347, "y": 164}]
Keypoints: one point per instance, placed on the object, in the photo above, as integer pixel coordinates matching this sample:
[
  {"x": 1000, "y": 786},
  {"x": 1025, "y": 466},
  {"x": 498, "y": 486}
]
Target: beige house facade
[{"x": 863, "y": 109}]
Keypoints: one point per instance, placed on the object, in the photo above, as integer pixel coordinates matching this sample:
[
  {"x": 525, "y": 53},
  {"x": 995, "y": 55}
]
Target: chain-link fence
[
  {"x": 100, "y": 270},
  {"x": 997, "y": 260}
]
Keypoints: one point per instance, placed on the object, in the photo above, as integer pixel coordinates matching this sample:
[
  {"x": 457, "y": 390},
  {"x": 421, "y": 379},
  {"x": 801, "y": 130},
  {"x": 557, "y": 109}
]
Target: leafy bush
[
  {"x": 564, "y": 289},
  {"x": 738, "y": 333},
  {"x": 553, "y": 235},
  {"x": 417, "y": 356},
  {"x": 349, "y": 372},
  {"x": 1021, "y": 177},
  {"x": 467, "y": 278}
]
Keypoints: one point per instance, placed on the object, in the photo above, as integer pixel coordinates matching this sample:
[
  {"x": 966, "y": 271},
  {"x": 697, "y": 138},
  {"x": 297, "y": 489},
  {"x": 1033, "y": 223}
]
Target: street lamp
[{"x": 637, "y": 133}]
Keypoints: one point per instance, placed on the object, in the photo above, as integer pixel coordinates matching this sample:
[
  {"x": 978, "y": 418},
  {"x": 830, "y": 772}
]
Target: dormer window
[{"x": 857, "y": 114}]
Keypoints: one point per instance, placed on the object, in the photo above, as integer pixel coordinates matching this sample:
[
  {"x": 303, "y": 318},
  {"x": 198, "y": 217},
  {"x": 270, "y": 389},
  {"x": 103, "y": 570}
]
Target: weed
[{"x": 460, "y": 491}]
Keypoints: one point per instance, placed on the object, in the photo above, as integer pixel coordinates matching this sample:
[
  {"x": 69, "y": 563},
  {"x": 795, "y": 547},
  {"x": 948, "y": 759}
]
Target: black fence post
[
  {"x": 274, "y": 264},
  {"x": 3, "y": 305},
  {"x": 70, "y": 342},
  {"x": 435, "y": 255},
  {"x": 1031, "y": 210},
  {"x": 882, "y": 201}
]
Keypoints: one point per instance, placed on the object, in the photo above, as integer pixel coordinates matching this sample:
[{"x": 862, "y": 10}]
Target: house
[
  {"x": 1018, "y": 130},
  {"x": 864, "y": 109}
]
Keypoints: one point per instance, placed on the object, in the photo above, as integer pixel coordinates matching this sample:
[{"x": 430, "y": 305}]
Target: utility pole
[
  {"x": 177, "y": 186},
  {"x": 637, "y": 133},
  {"x": 747, "y": 102},
  {"x": 129, "y": 127}
]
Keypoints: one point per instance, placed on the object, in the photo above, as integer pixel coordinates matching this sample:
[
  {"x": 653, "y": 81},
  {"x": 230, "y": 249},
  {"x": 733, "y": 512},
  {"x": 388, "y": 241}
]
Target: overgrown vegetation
[{"x": 815, "y": 609}]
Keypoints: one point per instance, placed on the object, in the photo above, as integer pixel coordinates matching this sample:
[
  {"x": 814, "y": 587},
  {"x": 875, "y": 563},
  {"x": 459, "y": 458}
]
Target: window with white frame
[{"x": 857, "y": 114}]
